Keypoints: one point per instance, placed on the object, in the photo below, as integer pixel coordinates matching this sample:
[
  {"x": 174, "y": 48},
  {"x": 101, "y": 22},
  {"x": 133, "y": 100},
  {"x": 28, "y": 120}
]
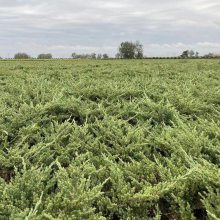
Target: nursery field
[{"x": 110, "y": 139}]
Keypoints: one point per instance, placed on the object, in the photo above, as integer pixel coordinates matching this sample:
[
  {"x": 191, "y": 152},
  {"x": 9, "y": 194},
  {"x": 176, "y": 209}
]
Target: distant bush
[
  {"x": 99, "y": 56},
  {"x": 85, "y": 56},
  {"x": 21, "y": 56},
  {"x": 130, "y": 50},
  {"x": 211, "y": 55},
  {"x": 105, "y": 56},
  {"x": 45, "y": 56}
]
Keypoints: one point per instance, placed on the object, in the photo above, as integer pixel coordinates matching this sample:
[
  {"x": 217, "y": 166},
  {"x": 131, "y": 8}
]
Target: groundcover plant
[{"x": 114, "y": 139}]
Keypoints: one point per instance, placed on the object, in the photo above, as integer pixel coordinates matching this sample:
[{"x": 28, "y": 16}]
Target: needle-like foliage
[{"x": 129, "y": 140}]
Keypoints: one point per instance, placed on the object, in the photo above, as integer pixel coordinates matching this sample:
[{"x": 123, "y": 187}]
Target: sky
[{"x": 164, "y": 27}]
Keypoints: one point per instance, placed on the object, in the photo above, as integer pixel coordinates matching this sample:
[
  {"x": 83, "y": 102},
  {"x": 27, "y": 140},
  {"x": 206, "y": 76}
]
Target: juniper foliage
[{"x": 110, "y": 139}]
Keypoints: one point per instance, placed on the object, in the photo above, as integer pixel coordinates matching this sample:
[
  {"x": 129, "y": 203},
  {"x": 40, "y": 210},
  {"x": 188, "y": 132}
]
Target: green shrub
[{"x": 110, "y": 139}]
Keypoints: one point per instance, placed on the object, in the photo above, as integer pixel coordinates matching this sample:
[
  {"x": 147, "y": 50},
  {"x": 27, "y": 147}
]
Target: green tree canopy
[
  {"x": 45, "y": 56},
  {"x": 21, "y": 56},
  {"x": 130, "y": 50}
]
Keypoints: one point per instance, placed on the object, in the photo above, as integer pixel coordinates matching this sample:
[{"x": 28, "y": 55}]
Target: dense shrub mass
[{"x": 136, "y": 139}]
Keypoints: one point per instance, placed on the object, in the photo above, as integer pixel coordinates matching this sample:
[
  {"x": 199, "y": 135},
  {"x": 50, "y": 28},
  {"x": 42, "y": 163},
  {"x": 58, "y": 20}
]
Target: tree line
[
  {"x": 89, "y": 56},
  {"x": 191, "y": 54},
  {"x": 26, "y": 56},
  {"x": 126, "y": 50}
]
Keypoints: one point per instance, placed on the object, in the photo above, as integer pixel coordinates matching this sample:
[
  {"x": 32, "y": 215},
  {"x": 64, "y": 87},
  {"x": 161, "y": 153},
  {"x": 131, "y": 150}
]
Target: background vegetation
[
  {"x": 126, "y": 50},
  {"x": 136, "y": 139},
  {"x": 45, "y": 56}
]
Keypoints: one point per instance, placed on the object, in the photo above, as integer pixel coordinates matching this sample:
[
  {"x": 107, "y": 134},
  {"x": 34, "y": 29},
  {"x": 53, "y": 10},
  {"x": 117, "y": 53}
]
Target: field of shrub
[{"x": 114, "y": 140}]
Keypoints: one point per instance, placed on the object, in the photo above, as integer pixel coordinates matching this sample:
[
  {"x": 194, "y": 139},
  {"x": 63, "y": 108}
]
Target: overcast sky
[{"x": 61, "y": 27}]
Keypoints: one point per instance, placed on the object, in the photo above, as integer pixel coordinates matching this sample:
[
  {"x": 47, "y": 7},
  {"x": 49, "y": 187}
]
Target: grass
[{"x": 121, "y": 139}]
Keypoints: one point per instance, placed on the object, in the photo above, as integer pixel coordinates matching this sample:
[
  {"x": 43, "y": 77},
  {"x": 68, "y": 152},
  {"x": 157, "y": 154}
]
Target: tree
[
  {"x": 86, "y": 56},
  {"x": 74, "y": 55},
  {"x": 191, "y": 53},
  {"x": 93, "y": 56},
  {"x": 45, "y": 56},
  {"x": 185, "y": 54},
  {"x": 209, "y": 55},
  {"x": 139, "y": 51},
  {"x": 117, "y": 56},
  {"x": 127, "y": 50},
  {"x": 197, "y": 54},
  {"x": 105, "y": 56},
  {"x": 21, "y": 56},
  {"x": 99, "y": 56},
  {"x": 130, "y": 50}
]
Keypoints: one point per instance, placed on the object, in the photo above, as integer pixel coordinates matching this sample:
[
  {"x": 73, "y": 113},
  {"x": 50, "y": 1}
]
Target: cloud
[{"x": 37, "y": 25}]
